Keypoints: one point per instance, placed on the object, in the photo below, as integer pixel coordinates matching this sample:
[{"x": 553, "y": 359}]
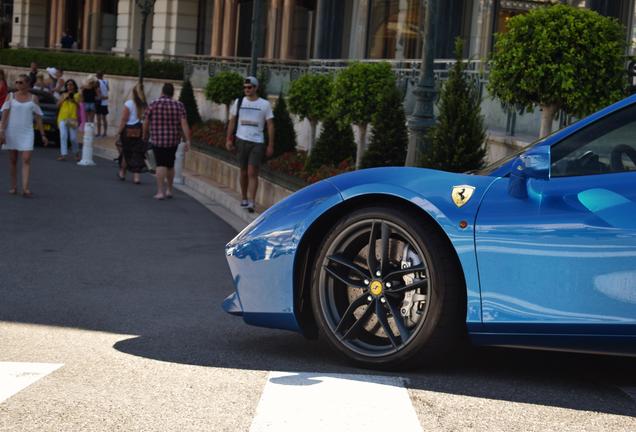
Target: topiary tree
[
  {"x": 309, "y": 99},
  {"x": 283, "y": 128},
  {"x": 559, "y": 57},
  {"x": 457, "y": 140},
  {"x": 224, "y": 88},
  {"x": 187, "y": 98},
  {"x": 390, "y": 139},
  {"x": 357, "y": 92},
  {"x": 335, "y": 144}
]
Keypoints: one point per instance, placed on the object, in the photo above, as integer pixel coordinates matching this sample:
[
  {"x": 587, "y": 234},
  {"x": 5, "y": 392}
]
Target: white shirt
[
  {"x": 133, "y": 118},
  {"x": 252, "y": 118},
  {"x": 103, "y": 89}
]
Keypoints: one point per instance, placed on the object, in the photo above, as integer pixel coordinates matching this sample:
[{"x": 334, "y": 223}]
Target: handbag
[
  {"x": 72, "y": 123},
  {"x": 151, "y": 163},
  {"x": 133, "y": 131}
]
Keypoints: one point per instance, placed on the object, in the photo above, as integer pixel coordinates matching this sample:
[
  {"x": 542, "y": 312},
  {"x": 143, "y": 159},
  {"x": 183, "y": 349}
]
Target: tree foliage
[
  {"x": 358, "y": 90},
  {"x": 224, "y": 88},
  {"x": 456, "y": 141},
  {"x": 390, "y": 139},
  {"x": 357, "y": 93},
  {"x": 309, "y": 96},
  {"x": 187, "y": 98},
  {"x": 559, "y": 56},
  {"x": 283, "y": 128},
  {"x": 335, "y": 144}
]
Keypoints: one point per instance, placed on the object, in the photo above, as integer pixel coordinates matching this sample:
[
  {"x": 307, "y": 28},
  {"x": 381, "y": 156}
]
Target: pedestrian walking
[
  {"x": 102, "y": 105},
  {"x": 16, "y": 131},
  {"x": 4, "y": 88},
  {"x": 33, "y": 73},
  {"x": 89, "y": 97},
  {"x": 68, "y": 119},
  {"x": 40, "y": 84},
  {"x": 165, "y": 123},
  {"x": 248, "y": 117},
  {"x": 130, "y": 135}
]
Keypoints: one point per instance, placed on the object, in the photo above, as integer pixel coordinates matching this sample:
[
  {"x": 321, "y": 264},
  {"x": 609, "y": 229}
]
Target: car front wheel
[{"x": 387, "y": 290}]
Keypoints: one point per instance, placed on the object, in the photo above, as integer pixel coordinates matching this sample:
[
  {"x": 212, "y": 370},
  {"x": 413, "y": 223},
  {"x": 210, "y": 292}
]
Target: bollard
[
  {"x": 87, "y": 148},
  {"x": 178, "y": 163}
]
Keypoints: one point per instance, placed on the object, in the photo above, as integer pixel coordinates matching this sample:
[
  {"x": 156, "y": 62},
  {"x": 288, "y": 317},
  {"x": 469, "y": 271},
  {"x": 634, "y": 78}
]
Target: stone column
[
  {"x": 86, "y": 25},
  {"x": 52, "y": 26},
  {"x": 96, "y": 25},
  {"x": 481, "y": 28},
  {"x": 229, "y": 28},
  {"x": 217, "y": 29},
  {"x": 30, "y": 28},
  {"x": 61, "y": 22},
  {"x": 127, "y": 20},
  {"x": 359, "y": 19},
  {"x": 174, "y": 27},
  {"x": 273, "y": 30},
  {"x": 286, "y": 29}
]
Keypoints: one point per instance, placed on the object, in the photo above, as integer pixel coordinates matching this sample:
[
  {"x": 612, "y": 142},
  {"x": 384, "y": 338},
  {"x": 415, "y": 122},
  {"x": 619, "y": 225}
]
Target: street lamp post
[
  {"x": 256, "y": 35},
  {"x": 423, "y": 116},
  {"x": 145, "y": 7}
]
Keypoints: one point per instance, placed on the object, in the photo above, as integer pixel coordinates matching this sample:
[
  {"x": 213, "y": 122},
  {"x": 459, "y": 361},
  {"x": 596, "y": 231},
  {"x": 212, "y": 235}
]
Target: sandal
[
  {"x": 159, "y": 197},
  {"x": 61, "y": 158},
  {"x": 13, "y": 191},
  {"x": 27, "y": 194}
]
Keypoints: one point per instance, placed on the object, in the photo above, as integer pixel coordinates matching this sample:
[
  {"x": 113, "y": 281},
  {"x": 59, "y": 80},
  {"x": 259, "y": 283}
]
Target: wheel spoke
[
  {"x": 399, "y": 289},
  {"x": 350, "y": 310},
  {"x": 399, "y": 321},
  {"x": 372, "y": 261},
  {"x": 344, "y": 279},
  {"x": 339, "y": 259},
  {"x": 384, "y": 246},
  {"x": 404, "y": 271},
  {"x": 380, "y": 312},
  {"x": 353, "y": 330}
]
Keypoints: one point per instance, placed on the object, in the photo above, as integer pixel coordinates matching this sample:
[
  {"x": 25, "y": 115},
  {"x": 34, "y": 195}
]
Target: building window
[
  {"x": 204, "y": 27},
  {"x": 393, "y": 29},
  {"x": 108, "y": 27}
]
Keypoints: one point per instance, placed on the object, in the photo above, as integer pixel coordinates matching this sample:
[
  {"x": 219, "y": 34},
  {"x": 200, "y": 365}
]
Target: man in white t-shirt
[
  {"x": 249, "y": 138},
  {"x": 102, "y": 105}
]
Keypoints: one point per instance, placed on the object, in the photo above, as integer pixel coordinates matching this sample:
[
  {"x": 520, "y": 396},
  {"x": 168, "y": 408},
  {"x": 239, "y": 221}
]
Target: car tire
[{"x": 372, "y": 311}]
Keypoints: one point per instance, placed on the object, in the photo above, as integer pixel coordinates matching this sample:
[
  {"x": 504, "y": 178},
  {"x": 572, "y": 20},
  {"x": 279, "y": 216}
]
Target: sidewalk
[{"x": 219, "y": 199}]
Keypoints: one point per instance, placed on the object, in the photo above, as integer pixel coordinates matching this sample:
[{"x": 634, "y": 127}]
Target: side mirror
[{"x": 533, "y": 164}]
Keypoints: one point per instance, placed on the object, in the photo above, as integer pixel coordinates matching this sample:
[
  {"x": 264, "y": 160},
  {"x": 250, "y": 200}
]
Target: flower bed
[{"x": 212, "y": 134}]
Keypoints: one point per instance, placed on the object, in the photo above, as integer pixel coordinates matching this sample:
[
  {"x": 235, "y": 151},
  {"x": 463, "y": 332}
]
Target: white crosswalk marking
[
  {"x": 334, "y": 402},
  {"x": 18, "y": 376}
]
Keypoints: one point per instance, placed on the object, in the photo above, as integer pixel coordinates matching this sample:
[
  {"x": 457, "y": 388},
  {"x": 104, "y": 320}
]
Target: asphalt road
[{"x": 125, "y": 292}]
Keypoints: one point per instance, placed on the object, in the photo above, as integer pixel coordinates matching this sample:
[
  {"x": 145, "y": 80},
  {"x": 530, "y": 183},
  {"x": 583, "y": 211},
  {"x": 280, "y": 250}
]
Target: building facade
[{"x": 292, "y": 29}]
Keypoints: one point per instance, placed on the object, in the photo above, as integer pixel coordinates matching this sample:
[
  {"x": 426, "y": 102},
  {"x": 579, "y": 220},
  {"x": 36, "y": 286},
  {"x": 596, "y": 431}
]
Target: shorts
[
  {"x": 165, "y": 156},
  {"x": 250, "y": 153},
  {"x": 101, "y": 109},
  {"x": 89, "y": 106}
]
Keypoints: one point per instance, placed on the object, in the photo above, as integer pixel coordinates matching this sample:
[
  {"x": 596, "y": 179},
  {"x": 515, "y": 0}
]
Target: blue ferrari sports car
[{"x": 397, "y": 266}]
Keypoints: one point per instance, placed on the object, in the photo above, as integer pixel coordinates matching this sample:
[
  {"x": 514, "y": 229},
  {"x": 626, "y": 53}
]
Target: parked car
[
  {"x": 396, "y": 266},
  {"x": 49, "y": 118}
]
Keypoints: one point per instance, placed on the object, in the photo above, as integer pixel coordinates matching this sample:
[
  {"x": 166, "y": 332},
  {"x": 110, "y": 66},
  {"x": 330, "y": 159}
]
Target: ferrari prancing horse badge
[{"x": 461, "y": 194}]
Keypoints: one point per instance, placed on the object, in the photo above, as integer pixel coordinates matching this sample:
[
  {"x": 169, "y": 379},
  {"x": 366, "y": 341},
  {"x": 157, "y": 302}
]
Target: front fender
[{"x": 431, "y": 190}]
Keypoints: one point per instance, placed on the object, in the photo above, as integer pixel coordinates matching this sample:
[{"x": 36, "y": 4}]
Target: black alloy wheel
[{"x": 385, "y": 292}]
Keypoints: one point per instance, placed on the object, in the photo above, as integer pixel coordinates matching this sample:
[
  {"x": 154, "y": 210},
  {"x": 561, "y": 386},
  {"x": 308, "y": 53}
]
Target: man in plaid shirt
[{"x": 166, "y": 123}]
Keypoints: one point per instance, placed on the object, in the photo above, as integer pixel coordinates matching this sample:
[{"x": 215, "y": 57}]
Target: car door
[{"x": 565, "y": 255}]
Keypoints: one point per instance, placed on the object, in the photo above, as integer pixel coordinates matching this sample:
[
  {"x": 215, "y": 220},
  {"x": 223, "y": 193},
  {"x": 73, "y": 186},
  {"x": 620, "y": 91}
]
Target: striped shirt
[{"x": 165, "y": 116}]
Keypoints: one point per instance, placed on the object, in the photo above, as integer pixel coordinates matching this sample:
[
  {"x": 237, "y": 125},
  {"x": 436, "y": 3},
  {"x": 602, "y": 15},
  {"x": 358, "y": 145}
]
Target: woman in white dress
[{"x": 16, "y": 131}]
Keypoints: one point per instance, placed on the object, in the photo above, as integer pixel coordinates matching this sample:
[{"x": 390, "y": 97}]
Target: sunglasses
[
  {"x": 19, "y": 82},
  {"x": 248, "y": 87}
]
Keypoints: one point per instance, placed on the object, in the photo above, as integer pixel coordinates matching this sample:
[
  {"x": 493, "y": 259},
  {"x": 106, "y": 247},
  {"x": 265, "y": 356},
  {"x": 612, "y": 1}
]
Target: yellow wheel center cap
[{"x": 376, "y": 288}]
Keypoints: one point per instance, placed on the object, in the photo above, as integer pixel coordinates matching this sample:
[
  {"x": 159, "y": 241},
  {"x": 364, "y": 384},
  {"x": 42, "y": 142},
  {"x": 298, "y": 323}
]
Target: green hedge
[{"x": 91, "y": 63}]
